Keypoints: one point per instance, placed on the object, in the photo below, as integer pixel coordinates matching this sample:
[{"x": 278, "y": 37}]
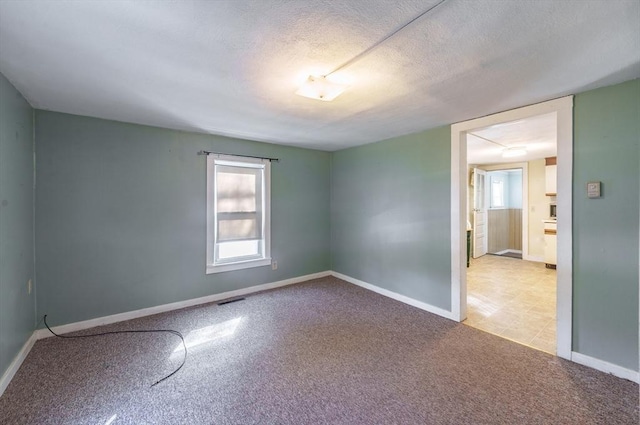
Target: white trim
[
  {"x": 563, "y": 107},
  {"x": 535, "y": 258},
  {"x": 16, "y": 363},
  {"x": 505, "y": 251},
  {"x": 107, "y": 320},
  {"x": 564, "y": 319},
  {"x": 394, "y": 295},
  {"x": 237, "y": 263},
  {"x": 458, "y": 222},
  {"x": 588, "y": 361},
  {"x": 606, "y": 367}
]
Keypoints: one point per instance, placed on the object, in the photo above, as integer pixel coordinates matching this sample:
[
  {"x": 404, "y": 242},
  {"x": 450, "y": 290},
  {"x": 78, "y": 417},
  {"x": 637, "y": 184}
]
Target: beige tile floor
[{"x": 513, "y": 298}]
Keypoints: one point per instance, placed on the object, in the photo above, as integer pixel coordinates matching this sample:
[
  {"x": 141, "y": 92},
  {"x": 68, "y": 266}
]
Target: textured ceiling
[
  {"x": 536, "y": 134},
  {"x": 232, "y": 67}
]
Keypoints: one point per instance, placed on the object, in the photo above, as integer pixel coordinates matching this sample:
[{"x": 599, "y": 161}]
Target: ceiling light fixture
[
  {"x": 318, "y": 87},
  {"x": 514, "y": 152}
]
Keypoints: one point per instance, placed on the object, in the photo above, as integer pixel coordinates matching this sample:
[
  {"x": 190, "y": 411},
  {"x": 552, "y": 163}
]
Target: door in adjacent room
[{"x": 479, "y": 213}]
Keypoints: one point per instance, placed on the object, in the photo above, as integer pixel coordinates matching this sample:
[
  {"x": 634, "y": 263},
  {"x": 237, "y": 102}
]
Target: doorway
[
  {"x": 506, "y": 295},
  {"x": 504, "y": 213},
  {"x": 459, "y": 209}
]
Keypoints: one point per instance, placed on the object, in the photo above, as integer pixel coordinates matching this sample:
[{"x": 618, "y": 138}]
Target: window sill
[{"x": 238, "y": 266}]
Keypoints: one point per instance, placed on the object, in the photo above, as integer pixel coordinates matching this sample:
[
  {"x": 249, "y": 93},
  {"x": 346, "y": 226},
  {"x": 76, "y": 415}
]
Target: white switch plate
[
  {"x": 593, "y": 189},
  {"x": 274, "y": 265}
]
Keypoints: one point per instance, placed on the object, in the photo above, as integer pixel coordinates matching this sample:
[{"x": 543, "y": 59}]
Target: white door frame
[
  {"x": 563, "y": 107},
  {"x": 475, "y": 253}
]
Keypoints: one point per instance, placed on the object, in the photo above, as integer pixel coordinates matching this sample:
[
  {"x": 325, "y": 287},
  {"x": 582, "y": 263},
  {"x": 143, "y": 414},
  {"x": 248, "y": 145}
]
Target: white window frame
[{"x": 237, "y": 263}]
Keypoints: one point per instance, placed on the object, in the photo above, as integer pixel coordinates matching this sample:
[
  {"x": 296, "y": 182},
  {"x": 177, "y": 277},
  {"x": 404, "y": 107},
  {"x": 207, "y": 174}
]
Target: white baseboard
[
  {"x": 582, "y": 359},
  {"x": 398, "y": 297},
  {"x": 16, "y": 363},
  {"x": 507, "y": 251},
  {"x": 535, "y": 258},
  {"x": 107, "y": 320},
  {"x": 607, "y": 367},
  {"x": 585, "y": 360}
]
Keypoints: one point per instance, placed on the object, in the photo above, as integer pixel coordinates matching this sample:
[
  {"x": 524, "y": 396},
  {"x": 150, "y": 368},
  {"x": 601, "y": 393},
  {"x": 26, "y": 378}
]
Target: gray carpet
[{"x": 320, "y": 352}]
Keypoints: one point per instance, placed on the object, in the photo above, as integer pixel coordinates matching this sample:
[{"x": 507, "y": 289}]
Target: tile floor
[{"x": 513, "y": 298}]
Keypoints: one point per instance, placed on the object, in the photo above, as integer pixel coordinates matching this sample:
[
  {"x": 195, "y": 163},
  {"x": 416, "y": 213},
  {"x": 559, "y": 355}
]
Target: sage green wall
[
  {"x": 390, "y": 215},
  {"x": 390, "y": 219},
  {"x": 17, "y": 307},
  {"x": 120, "y": 216},
  {"x": 605, "y": 230}
]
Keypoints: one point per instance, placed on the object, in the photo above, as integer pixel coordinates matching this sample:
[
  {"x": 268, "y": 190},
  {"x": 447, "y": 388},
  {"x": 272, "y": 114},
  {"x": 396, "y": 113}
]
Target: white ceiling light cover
[{"x": 321, "y": 88}]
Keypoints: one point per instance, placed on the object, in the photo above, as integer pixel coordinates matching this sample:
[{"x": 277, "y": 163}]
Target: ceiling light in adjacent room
[
  {"x": 514, "y": 152},
  {"x": 318, "y": 87}
]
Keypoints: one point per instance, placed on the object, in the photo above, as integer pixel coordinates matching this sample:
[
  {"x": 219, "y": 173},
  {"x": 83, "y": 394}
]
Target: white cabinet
[
  {"x": 550, "y": 243},
  {"x": 551, "y": 180}
]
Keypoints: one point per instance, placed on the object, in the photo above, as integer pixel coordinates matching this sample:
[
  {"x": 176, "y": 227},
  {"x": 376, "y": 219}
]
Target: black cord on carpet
[{"x": 171, "y": 331}]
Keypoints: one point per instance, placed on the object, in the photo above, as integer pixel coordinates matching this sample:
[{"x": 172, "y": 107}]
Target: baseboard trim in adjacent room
[
  {"x": 120, "y": 317},
  {"x": 17, "y": 362},
  {"x": 535, "y": 258},
  {"x": 506, "y": 251},
  {"x": 606, "y": 367},
  {"x": 394, "y": 295}
]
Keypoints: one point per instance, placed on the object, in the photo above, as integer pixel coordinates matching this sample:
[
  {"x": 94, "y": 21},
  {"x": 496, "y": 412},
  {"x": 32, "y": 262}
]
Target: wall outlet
[
  {"x": 274, "y": 265},
  {"x": 29, "y": 286}
]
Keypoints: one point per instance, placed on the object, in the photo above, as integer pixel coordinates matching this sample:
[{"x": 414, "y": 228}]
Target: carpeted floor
[{"x": 321, "y": 352}]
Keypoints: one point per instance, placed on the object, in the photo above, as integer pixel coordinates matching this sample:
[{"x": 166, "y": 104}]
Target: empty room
[{"x": 274, "y": 212}]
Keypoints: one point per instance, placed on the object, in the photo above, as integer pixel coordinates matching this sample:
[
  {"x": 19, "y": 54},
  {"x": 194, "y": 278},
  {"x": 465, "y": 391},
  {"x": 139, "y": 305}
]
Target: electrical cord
[{"x": 171, "y": 331}]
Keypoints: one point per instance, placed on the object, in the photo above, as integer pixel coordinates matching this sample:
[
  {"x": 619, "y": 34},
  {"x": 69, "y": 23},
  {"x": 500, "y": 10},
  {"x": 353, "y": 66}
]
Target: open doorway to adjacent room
[
  {"x": 510, "y": 291},
  {"x": 509, "y": 286}
]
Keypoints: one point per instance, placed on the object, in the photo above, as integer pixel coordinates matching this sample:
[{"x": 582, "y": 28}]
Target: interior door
[{"x": 479, "y": 213}]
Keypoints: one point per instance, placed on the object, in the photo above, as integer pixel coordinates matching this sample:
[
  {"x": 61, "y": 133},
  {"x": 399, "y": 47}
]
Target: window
[
  {"x": 238, "y": 210},
  {"x": 497, "y": 192}
]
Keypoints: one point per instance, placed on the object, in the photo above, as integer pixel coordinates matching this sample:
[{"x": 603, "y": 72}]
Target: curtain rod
[{"x": 233, "y": 154}]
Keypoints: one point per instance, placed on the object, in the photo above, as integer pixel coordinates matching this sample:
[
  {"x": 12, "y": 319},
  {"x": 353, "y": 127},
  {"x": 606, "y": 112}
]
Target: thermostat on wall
[{"x": 593, "y": 189}]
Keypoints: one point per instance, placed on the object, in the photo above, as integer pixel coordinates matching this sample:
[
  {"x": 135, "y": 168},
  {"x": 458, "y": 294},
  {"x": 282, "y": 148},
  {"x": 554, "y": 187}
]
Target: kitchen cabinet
[
  {"x": 551, "y": 176},
  {"x": 550, "y": 243}
]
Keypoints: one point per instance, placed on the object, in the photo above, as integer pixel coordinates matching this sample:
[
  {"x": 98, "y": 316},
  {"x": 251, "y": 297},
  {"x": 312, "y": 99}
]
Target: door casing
[
  {"x": 480, "y": 218},
  {"x": 563, "y": 107}
]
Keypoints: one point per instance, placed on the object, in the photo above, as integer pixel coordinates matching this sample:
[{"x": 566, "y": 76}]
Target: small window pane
[
  {"x": 228, "y": 250},
  {"x": 235, "y": 229},
  {"x": 236, "y": 189},
  {"x": 497, "y": 194}
]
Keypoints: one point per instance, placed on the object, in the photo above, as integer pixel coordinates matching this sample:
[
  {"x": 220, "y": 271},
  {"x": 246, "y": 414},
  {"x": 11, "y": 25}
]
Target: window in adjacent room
[
  {"x": 238, "y": 210},
  {"x": 497, "y": 192}
]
